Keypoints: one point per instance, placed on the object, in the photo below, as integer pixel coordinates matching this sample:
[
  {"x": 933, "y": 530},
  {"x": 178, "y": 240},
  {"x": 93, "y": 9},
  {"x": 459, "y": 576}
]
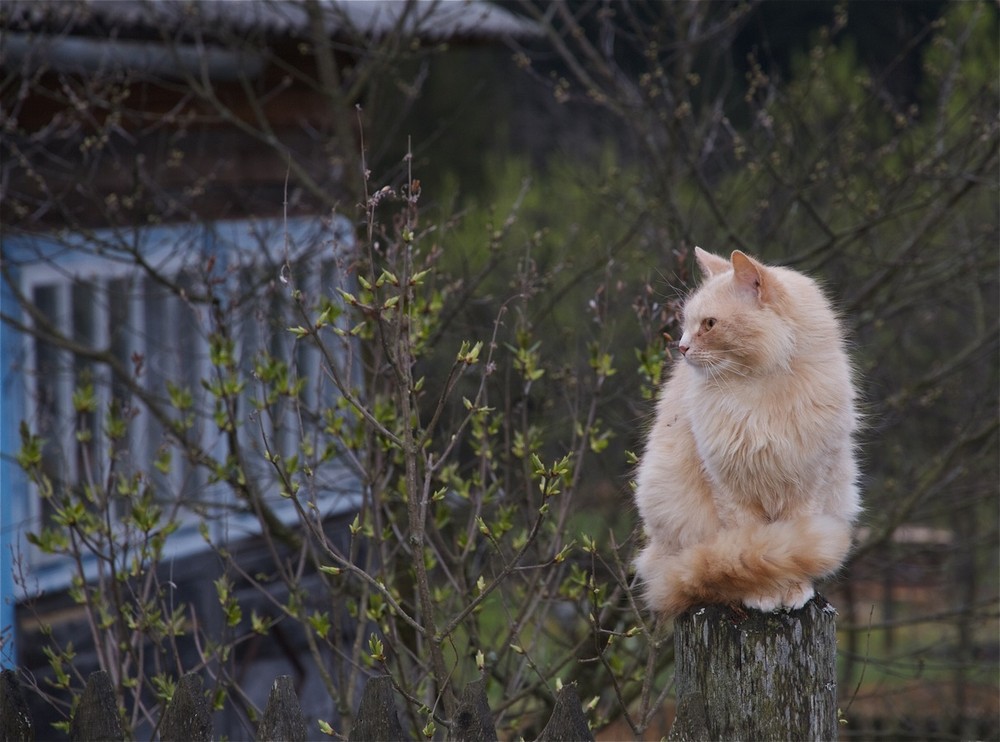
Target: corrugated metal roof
[{"x": 434, "y": 20}]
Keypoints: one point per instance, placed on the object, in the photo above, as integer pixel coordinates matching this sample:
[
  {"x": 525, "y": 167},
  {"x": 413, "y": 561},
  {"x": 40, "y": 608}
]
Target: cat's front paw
[
  {"x": 790, "y": 599},
  {"x": 797, "y": 596},
  {"x": 763, "y": 603}
]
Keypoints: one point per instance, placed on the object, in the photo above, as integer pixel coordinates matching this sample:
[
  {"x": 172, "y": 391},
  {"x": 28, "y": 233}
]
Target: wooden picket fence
[{"x": 188, "y": 717}]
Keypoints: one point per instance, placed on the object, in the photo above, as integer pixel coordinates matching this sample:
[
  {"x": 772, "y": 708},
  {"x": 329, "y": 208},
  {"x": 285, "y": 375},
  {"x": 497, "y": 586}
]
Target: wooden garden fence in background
[
  {"x": 739, "y": 674},
  {"x": 188, "y": 716}
]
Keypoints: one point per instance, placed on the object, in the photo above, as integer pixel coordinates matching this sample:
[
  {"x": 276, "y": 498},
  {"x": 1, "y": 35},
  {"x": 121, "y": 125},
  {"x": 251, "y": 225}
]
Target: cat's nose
[{"x": 684, "y": 344}]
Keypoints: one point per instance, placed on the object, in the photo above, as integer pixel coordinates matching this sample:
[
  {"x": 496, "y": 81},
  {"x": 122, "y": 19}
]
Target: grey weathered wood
[
  {"x": 188, "y": 717},
  {"x": 283, "y": 718},
  {"x": 15, "y": 718},
  {"x": 376, "y": 720},
  {"x": 567, "y": 723},
  {"x": 747, "y": 675},
  {"x": 691, "y": 722},
  {"x": 96, "y": 718},
  {"x": 474, "y": 720}
]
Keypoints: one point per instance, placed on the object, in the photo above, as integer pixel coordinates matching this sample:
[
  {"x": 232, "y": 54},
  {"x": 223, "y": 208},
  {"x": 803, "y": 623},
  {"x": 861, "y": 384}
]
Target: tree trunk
[{"x": 746, "y": 675}]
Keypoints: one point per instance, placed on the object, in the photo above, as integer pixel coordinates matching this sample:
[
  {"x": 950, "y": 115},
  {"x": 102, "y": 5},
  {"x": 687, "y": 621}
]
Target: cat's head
[{"x": 737, "y": 323}]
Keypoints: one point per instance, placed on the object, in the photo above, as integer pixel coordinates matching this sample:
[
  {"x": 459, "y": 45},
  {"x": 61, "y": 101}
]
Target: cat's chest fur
[{"x": 750, "y": 444}]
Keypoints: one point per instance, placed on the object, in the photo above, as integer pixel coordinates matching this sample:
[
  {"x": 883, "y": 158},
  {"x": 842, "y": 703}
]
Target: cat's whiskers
[{"x": 720, "y": 369}]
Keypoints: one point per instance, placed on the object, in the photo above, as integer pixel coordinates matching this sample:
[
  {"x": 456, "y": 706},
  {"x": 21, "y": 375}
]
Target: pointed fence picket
[{"x": 188, "y": 716}]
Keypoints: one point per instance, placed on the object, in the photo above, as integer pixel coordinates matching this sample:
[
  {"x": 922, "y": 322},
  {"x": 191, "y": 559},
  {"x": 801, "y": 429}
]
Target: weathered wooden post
[
  {"x": 376, "y": 720},
  {"x": 96, "y": 718},
  {"x": 283, "y": 719},
  {"x": 188, "y": 717},
  {"x": 747, "y": 675},
  {"x": 568, "y": 722},
  {"x": 474, "y": 720},
  {"x": 15, "y": 718}
]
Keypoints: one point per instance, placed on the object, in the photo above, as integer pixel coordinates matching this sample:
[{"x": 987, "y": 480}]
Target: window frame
[{"x": 68, "y": 262}]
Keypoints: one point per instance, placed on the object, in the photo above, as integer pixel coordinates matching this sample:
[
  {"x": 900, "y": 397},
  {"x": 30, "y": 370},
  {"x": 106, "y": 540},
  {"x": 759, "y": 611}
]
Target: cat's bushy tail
[{"x": 745, "y": 563}]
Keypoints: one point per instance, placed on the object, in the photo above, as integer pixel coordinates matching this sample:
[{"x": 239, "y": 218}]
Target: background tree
[{"x": 874, "y": 167}]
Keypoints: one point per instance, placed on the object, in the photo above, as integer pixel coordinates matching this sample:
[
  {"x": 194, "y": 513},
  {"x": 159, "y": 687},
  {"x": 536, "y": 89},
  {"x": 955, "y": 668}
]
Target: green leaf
[
  {"x": 30, "y": 454},
  {"x": 84, "y": 399},
  {"x": 376, "y": 650},
  {"x": 469, "y": 354}
]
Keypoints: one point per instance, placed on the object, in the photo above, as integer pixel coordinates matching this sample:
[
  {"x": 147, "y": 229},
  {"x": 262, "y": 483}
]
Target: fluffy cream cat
[{"x": 747, "y": 487}]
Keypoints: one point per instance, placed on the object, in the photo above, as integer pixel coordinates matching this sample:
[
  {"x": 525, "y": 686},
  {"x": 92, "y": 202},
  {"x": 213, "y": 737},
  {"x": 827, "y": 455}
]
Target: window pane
[
  {"x": 46, "y": 364},
  {"x": 85, "y": 309},
  {"x": 48, "y": 400},
  {"x": 121, "y": 346}
]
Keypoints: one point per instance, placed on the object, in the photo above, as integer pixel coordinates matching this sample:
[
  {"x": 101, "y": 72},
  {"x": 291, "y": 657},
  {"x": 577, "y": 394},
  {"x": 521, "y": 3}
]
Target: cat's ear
[
  {"x": 711, "y": 265},
  {"x": 750, "y": 275}
]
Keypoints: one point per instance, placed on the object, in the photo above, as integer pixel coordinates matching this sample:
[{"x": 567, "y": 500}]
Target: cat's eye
[{"x": 708, "y": 324}]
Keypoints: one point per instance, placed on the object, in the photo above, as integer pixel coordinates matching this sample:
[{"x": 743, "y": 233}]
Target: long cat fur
[{"x": 747, "y": 485}]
